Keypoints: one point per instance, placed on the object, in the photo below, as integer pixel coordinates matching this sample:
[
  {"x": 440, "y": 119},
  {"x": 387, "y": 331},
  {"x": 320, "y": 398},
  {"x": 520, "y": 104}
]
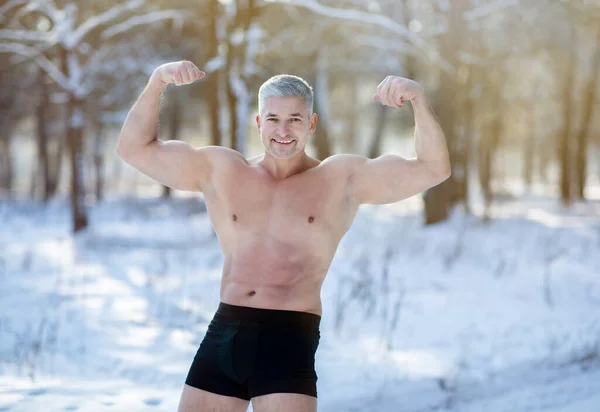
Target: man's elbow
[
  {"x": 447, "y": 172},
  {"x": 122, "y": 151},
  {"x": 126, "y": 150},
  {"x": 119, "y": 152},
  {"x": 442, "y": 172}
]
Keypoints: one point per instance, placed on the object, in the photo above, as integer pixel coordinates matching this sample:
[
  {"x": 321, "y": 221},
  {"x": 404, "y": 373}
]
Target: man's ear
[
  {"x": 258, "y": 121},
  {"x": 313, "y": 123}
]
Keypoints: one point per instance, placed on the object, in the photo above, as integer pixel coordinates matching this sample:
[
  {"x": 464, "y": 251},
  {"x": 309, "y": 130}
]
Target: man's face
[{"x": 285, "y": 126}]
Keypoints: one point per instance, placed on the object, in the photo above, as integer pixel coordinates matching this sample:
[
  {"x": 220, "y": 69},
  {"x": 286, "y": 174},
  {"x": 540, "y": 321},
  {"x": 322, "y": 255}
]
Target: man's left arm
[{"x": 391, "y": 178}]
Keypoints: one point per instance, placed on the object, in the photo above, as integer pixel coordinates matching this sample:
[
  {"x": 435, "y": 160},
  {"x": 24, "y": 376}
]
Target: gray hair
[{"x": 284, "y": 85}]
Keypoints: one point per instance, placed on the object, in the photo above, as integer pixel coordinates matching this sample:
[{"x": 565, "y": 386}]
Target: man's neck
[{"x": 281, "y": 169}]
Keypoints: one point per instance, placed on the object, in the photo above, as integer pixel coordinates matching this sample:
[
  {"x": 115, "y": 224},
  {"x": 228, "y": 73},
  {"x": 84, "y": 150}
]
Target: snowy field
[{"x": 465, "y": 316}]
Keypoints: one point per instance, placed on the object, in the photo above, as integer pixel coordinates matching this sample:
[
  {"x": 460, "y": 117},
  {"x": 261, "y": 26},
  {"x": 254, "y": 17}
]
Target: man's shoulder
[
  {"x": 342, "y": 166},
  {"x": 220, "y": 154},
  {"x": 344, "y": 161}
]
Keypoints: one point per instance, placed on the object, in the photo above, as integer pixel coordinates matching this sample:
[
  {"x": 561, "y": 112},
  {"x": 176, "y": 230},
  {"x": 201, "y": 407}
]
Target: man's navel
[{"x": 311, "y": 219}]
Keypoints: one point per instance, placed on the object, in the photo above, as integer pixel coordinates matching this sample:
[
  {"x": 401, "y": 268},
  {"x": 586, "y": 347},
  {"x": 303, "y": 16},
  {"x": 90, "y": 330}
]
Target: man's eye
[
  {"x": 295, "y": 120},
  {"x": 271, "y": 120}
]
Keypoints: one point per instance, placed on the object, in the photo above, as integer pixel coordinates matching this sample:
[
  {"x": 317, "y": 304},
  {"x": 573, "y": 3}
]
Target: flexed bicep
[
  {"x": 177, "y": 164},
  {"x": 390, "y": 178}
]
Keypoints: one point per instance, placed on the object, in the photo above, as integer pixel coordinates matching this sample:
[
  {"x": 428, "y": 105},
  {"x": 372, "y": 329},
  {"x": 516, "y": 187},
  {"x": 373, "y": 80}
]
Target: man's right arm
[{"x": 173, "y": 163}]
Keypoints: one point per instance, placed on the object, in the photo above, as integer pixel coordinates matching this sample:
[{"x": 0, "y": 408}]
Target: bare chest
[{"x": 308, "y": 208}]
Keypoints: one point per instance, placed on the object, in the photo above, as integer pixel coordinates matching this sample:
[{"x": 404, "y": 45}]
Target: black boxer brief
[{"x": 250, "y": 352}]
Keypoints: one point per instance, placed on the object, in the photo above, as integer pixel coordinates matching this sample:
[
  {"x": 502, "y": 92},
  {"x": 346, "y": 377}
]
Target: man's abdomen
[{"x": 272, "y": 284}]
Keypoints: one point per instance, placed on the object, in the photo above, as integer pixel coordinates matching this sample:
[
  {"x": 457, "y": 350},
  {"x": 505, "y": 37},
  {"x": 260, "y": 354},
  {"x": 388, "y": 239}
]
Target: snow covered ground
[{"x": 464, "y": 316}]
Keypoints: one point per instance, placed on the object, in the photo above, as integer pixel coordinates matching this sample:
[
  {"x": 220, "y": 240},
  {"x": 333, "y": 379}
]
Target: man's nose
[{"x": 283, "y": 129}]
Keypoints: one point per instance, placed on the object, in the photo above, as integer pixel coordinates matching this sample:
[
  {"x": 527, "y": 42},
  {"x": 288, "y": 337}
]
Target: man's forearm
[
  {"x": 430, "y": 141},
  {"x": 141, "y": 125}
]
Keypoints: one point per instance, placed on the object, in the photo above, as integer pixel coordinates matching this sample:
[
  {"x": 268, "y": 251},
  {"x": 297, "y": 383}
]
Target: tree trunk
[
  {"x": 55, "y": 168},
  {"x": 438, "y": 199},
  {"x": 467, "y": 134},
  {"x": 6, "y": 167},
  {"x": 485, "y": 168},
  {"x": 588, "y": 108},
  {"x": 380, "y": 121},
  {"x": 564, "y": 135},
  {"x": 231, "y": 101},
  {"x": 490, "y": 140},
  {"x": 350, "y": 143},
  {"x": 99, "y": 144},
  {"x": 544, "y": 160},
  {"x": 529, "y": 142},
  {"x": 175, "y": 115},
  {"x": 409, "y": 61},
  {"x": 75, "y": 126},
  {"x": 75, "y": 140},
  {"x": 7, "y": 126},
  {"x": 214, "y": 81},
  {"x": 528, "y": 153},
  {"x": 322, "y": 140},
  {"x": 8, "y": 116},
  {"x": 236, "y": 63},
  {"x": 43, "y": 175}
]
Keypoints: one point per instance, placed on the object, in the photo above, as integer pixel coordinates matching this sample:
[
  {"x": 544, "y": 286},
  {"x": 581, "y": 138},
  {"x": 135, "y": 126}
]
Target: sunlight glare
[
  {"x": 418, "y": 363},
  {"x": 182, "y": 339},
  {"x": 415, "y": 26},
  {"x": 59, "y": 253},
  {"x": 138, "y": 336},
  {"x": 136, "y": 276},
  {"x": 134, "y": 356},
  {"x": 543, "y": 217},
  {"x": 132, "y": 309}
]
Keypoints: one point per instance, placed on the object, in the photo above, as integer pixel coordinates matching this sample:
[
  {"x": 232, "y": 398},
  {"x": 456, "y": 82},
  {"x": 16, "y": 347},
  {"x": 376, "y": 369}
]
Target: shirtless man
[{"x": 279, "y": 218}]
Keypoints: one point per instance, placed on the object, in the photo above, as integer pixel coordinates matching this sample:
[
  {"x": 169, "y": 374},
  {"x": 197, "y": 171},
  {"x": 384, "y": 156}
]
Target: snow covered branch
[
  {"x": 97, "y": 60},
  {"x": 106, "y": 17},
  {"x": 50, "y": 68},
  {"x": 490, "y": 8},
  {"x": 9, "y": 5},
  {"x": 41, "y": 6},
  {"x": 386, "y": 44},
  {"x": 214, "y": 64},
  {"x": 114, "y": 117},
  {"x": 355, "y": 15},
  {"x": 140, "y": 20},
  {"x": 23, "y": 35},
  {"x": 369, "y": 18}
]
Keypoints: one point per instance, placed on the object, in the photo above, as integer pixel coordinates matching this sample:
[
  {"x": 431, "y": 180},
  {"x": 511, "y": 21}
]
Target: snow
[
  {"x": 23, "y": 35},
  {"x": 447, "y": 317},
  {"x": 214, "y": 64}
]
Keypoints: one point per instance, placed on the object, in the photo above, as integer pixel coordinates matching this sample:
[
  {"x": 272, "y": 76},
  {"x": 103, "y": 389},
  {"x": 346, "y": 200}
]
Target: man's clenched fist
[
  {"x": 394, "y": 91},
  {"x": 180, "y": 73}
]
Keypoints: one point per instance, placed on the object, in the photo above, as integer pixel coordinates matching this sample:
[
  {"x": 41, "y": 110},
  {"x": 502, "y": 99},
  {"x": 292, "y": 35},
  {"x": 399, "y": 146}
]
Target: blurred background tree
[{"x": 513, "y": 83}]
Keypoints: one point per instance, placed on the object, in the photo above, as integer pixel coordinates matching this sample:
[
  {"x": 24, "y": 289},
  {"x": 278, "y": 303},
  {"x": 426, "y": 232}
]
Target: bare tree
[{"x": 71, "y": 33}]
